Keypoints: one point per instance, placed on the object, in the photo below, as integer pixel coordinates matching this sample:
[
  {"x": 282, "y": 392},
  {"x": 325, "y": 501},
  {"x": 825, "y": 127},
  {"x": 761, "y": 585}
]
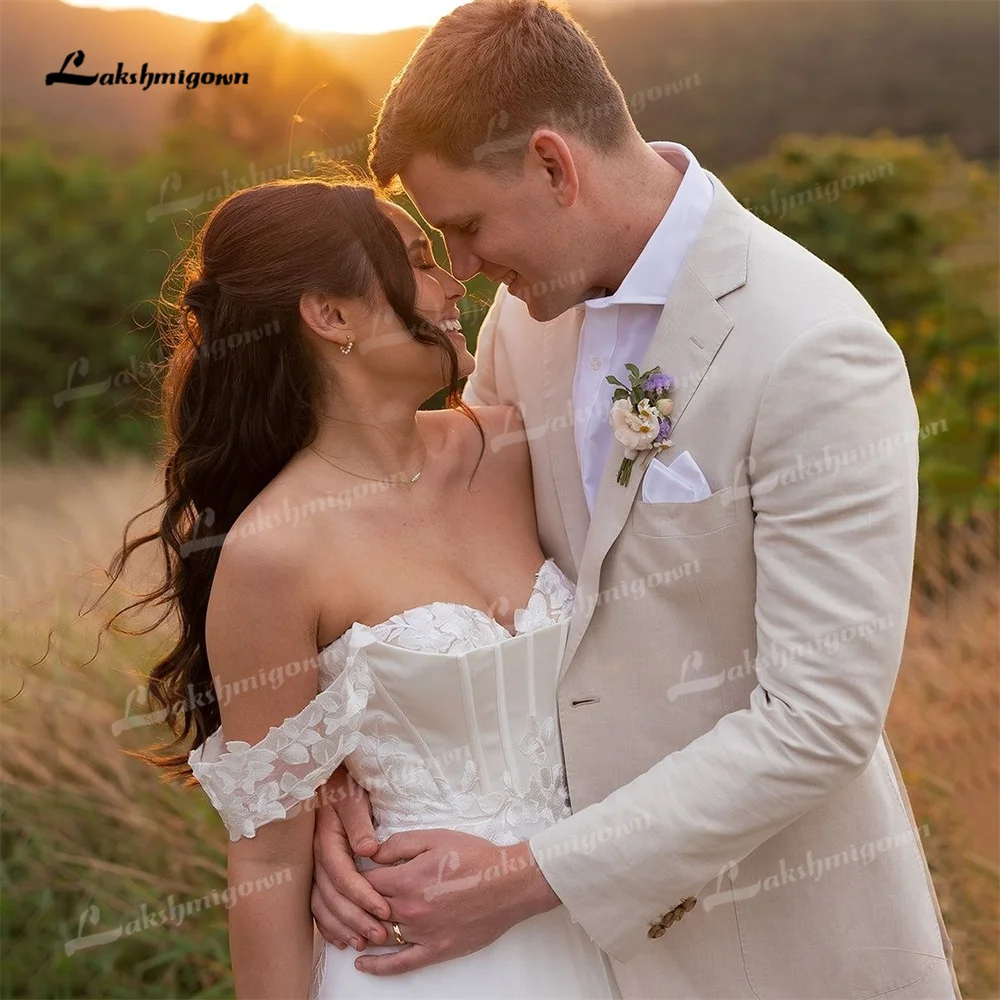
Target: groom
[{"x": 741, "y": 601}]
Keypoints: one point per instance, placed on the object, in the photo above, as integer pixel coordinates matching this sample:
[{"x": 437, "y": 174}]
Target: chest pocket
[{"x": 679, "y": 520}]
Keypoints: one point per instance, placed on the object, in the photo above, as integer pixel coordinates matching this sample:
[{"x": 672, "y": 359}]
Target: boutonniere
[{"x": 640, "y": 415}]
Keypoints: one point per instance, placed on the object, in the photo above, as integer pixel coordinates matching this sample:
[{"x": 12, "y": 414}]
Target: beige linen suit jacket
[{"x": 740, "y": 826}]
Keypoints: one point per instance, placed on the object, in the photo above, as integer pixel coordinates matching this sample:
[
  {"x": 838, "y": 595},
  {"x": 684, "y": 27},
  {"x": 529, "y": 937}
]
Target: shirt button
[{"x": 596, "y": 364}]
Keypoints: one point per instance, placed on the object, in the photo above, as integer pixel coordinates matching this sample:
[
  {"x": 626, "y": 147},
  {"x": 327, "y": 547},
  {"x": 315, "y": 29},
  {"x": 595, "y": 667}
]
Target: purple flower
[
  {"x": 658, "y": 383},
  {"x": 665, "y": 427}
]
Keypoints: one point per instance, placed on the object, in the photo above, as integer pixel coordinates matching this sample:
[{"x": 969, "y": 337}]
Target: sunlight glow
[{"x": 362, "y": 17}]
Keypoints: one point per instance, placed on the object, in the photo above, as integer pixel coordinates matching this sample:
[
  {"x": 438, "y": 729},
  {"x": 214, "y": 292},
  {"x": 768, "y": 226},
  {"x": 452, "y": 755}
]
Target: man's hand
[
  {"x": 451, "y": 894},
  {"x": 344, "y": 905}
]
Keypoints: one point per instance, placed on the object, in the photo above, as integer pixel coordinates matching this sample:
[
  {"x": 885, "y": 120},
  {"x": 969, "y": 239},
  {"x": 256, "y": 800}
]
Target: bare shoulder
[{"x": 261, "y": 575}]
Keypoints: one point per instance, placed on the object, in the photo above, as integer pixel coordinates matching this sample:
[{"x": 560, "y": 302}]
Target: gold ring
[{"x": 397, "y": 933}]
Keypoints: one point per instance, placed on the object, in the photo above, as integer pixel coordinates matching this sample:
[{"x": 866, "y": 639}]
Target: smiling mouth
[{"x": 450, "y": 325}]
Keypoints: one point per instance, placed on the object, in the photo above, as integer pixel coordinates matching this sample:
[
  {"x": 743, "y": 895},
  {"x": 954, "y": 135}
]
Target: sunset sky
[{"x": 349, "y": 16}]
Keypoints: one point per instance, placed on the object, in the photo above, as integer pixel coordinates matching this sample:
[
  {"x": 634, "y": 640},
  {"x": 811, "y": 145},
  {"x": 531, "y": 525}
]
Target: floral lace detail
[
  {"x": 441, "y": 627},
  {"x": 354, "y": 718},
  {"x": 407, "y": 794},
  {"x": 551, "y": 600},
  {"x": 545, "y": 800},
  {"x": 253, "y": 785}
]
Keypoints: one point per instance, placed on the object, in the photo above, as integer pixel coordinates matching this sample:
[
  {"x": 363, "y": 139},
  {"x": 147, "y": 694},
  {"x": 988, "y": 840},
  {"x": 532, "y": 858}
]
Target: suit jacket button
[{"x": 657, "y": 930}]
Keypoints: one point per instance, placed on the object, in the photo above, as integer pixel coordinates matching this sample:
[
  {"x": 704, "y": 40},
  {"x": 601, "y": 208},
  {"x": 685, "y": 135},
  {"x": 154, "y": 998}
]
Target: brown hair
[
  {"x": 485, "y": 78},
  {"x": 239, "y": 391}
]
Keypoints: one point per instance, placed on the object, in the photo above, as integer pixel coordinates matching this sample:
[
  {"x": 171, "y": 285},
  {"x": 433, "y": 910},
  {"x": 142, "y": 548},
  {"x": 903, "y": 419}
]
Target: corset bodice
[{"x": 442, "y": 715}]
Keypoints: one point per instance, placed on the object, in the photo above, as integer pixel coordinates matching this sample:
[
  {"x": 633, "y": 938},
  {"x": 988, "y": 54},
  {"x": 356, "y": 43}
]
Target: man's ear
[
  {"x": 323, "y": 316},
  {"x": 553, "y": 154}
]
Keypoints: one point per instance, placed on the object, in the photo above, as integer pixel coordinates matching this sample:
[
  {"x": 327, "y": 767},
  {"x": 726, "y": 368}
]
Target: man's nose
[{"x": 465, "y": 265}]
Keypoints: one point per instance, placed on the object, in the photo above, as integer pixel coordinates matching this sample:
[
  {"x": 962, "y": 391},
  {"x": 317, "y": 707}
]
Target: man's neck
[{"x": 637, "y": 197}]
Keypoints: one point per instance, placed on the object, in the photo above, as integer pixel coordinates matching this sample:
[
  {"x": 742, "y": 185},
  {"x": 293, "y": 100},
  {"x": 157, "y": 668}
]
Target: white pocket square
[{"x": 679, "y": 482}]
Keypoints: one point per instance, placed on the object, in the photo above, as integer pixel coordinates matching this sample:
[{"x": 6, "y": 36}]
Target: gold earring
[{"x": 347, "y": 350}]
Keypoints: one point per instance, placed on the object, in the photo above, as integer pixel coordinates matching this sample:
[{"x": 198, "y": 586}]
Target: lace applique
[
  {"x": 254, "y": 785},
  {"x": 407, "y": 793},
  {"x": 546, "y": 798},
  {"x": 441, "y": 627},
  {"x": 551, "y": 600}
]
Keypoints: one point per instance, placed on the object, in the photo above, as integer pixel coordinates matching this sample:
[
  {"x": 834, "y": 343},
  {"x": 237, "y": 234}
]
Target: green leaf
[
  {"x": 622, "y": 393},
  {"x": 614, "y": 381},
  {"x": 629, "y": 367}
]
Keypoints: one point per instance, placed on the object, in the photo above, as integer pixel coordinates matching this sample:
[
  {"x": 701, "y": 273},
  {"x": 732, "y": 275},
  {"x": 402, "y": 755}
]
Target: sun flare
[{"x": 346, "y": 16}]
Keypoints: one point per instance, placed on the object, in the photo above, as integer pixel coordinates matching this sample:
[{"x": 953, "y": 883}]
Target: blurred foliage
[
  {"x": 910, "y": 223},
  {"x": 728, "y": 78},
  {"x": 914, "y": 227},
  {"x": 87, "y": 244},
  {"x": 82, "y": 267},
  {"x": 301, "y": 100},
  {"x": 755, "y": 71}
]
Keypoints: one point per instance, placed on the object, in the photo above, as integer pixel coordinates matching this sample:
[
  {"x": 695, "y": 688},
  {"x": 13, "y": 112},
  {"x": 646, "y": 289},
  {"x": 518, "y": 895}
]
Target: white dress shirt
[{"x": 618, "y": 328}]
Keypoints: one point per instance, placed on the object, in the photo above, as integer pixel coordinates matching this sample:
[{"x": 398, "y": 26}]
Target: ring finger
[{"x": 391, "y": 937}]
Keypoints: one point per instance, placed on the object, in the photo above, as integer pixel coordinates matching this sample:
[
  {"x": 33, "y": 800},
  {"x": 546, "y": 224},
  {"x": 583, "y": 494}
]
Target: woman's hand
[
  {"x": 346, "y": 908},
  {"x": 452, "y": 893}
]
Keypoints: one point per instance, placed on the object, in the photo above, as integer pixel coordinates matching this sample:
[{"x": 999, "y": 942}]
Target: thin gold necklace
[{"x": 372, "y": 479}]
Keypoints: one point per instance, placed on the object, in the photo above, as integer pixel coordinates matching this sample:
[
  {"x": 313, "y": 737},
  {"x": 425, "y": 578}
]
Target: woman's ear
[{"x": 323, "y": 316}]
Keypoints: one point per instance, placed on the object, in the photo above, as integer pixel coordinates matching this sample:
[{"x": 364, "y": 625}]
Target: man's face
[{"x": 509, "y": 227}]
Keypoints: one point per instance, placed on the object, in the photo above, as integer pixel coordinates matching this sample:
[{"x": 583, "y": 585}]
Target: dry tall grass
[
  {"x": 944, "y": 728},
  {"x": 85, "y": 826}
]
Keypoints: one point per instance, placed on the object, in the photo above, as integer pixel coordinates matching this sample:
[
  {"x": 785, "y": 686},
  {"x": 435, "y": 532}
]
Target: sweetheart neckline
[{"x": 448, "y": 604}]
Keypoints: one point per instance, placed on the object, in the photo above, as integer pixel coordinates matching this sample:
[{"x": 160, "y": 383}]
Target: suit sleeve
[
  {"x": 481, "y": 387},
  {"x": 834, "y": 550}
]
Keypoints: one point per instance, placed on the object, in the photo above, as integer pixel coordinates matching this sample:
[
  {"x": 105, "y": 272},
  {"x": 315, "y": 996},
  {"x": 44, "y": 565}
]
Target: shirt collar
[{"x": 645, "y": 282}]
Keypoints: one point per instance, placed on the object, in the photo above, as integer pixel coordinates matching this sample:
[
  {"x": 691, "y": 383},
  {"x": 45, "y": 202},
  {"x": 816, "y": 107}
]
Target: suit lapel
[
  {"x": 691, "y": 329},
  {"x": 560, "y": 343}
]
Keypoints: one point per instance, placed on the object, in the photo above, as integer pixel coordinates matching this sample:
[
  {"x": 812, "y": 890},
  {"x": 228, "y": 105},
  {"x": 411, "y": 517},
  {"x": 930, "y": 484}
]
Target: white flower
[
  {"x": 666, "y": 407},
  {"x": 647, "y": 411},
  {"x": 636, "y": 431}
]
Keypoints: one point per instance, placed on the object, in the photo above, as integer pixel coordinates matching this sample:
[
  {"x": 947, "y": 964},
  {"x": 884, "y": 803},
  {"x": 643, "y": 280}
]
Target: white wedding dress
[{"x": 447, "y": 720}]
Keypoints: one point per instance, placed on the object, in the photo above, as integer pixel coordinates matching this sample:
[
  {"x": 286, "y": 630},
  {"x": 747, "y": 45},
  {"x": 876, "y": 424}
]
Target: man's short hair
[{"x": 485, "y": 78}]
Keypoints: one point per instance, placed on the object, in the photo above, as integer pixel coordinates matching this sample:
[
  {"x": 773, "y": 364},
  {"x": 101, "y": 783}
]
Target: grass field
[{"x": 93, "y": 841}]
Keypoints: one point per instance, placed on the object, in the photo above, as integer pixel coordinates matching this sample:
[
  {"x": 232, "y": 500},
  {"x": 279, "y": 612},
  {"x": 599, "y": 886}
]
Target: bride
[{"x": 357, "y": 580}]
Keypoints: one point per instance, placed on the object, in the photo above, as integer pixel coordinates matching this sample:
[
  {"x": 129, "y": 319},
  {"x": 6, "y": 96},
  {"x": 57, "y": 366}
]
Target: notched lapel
[
  {"x": 560, "y": 344},
  {"x": 691, "y": 329}
]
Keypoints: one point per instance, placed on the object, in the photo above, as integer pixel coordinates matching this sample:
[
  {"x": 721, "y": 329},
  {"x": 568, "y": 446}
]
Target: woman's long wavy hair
[{"x": 240, "y": 385}]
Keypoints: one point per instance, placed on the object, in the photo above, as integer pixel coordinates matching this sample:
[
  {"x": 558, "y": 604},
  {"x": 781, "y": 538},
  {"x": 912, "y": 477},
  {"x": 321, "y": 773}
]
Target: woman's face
[{"x": 437, "y": 298}]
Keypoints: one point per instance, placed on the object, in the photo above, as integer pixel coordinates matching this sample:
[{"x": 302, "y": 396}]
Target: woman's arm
[
  {"x": 260, "y": 630},
  {"x": 270, "y": 926}
]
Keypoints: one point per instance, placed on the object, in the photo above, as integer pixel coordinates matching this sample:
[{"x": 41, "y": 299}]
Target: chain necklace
[{"x": 371, "y": 479}]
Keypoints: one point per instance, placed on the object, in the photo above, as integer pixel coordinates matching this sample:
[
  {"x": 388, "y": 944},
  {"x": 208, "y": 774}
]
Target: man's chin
[{"x": 540, "y": 308}]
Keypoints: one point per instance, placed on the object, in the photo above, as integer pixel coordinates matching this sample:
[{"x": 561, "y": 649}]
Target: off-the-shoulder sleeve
[{"x": 254, "y": 785}]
